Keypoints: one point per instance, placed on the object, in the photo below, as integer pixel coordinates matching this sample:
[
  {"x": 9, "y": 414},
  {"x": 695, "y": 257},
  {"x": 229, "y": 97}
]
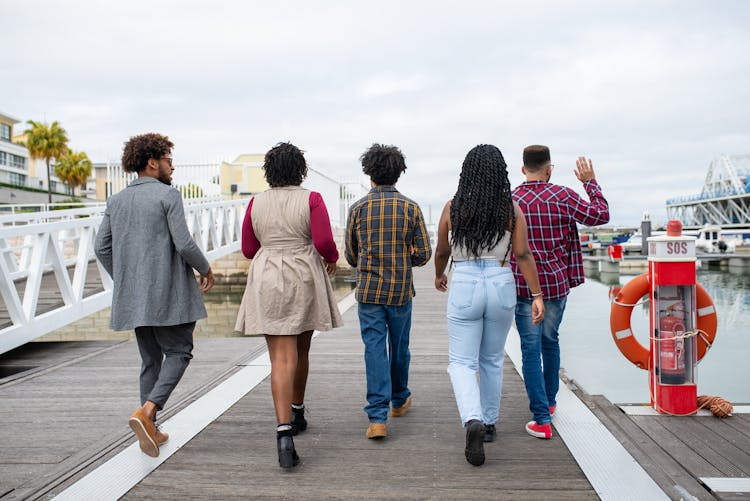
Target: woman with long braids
[
  {"x": 287, "y": 234},
  {"x": 485, "y": 225}
]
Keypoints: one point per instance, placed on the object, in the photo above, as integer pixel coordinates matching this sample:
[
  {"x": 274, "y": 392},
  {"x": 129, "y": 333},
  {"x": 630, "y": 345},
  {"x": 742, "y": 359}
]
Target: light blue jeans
[{"x": 481, "y": 302}]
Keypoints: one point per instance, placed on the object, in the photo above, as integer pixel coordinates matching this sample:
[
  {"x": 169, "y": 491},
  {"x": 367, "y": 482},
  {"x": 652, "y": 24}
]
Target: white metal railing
[
  {"x": 29, "y": 250},
  {"x": 193, "y": 180},
  {"x": 21, "y": 215}
]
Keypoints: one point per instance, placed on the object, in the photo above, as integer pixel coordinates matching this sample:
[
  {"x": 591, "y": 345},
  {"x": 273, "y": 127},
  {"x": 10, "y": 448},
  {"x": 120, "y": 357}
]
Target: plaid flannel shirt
[
  {"x": 551, "y": 214},
  {"x": 385, "y": 237}
]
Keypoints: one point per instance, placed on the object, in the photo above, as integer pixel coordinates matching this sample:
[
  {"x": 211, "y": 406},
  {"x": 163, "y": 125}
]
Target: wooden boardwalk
[
  {"x": 59, "y": 423},
  {"x": 422, "y": 458},
  {"x": 679, "y": 451},
  {"x": 71, "y": 411}
]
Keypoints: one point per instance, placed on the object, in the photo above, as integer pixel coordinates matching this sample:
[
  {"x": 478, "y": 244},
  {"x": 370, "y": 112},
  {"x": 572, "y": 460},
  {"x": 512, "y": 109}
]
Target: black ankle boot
[
  {"x": 299, "y": 423},
  {"x": 474, "y": 451},
  {"x": 285, "y": 444}
]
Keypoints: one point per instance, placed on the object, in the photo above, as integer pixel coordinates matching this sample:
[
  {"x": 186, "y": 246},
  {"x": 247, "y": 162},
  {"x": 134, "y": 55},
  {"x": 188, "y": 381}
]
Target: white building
[
  {"x": 16, "y": 166},
  {"x": 14, "y": 158}
]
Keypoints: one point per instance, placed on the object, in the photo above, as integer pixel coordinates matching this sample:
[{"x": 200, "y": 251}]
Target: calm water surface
[
  {"x": 591, "y": 358},
  {"x": 222, "y": 303}
]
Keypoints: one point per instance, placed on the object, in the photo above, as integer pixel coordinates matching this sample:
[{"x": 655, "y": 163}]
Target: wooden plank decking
[
  {"x": 679, "y": 451},
  {"x": 422, "y": 458},
  {"x": 72, "y": 410}
]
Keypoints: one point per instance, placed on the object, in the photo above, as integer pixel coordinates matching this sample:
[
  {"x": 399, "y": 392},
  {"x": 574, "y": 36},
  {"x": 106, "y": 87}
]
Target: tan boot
[
  {"x": 376, "y": 430},
  {"x": 145, "y": 431},
  {"x": 400, "y": 411},
  {"x": 161, "y": 437}
]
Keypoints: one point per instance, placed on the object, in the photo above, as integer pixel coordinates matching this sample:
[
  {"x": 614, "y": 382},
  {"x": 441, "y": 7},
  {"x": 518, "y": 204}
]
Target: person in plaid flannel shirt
[
  {"x": 552, "y": 212},
  {"x": 385, "y": 237}
]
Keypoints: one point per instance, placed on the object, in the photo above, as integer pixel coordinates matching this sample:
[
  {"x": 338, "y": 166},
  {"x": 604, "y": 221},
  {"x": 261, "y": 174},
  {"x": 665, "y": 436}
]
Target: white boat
[
  {"x": 633, "y": 244},
  {"x": 712, "y": 239},
  {"x": 709, "y": 239}
]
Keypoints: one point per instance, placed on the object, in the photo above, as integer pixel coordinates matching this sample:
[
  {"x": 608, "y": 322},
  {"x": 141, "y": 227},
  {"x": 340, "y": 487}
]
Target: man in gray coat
[{"x": 145, "y": 246}]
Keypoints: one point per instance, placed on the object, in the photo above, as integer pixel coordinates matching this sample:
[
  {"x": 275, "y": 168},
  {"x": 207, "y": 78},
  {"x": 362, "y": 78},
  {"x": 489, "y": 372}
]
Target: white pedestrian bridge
[{"x": 50, "y": 277}]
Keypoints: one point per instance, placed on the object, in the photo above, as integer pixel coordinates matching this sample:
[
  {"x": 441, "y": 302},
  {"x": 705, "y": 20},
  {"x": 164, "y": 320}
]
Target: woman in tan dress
[{"x": 287, "y": 234}]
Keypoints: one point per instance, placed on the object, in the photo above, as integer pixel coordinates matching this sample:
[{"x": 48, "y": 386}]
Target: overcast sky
[{"x": 651, "y": 91}]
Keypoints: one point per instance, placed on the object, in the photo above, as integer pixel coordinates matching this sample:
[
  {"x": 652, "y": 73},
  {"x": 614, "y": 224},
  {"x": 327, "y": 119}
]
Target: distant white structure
[
  {"x": 338, "y": 196},
  {"x": 724, "y": 200},
  {"x": 193, "y": 180},
  {"x": 239, "y": 179}
]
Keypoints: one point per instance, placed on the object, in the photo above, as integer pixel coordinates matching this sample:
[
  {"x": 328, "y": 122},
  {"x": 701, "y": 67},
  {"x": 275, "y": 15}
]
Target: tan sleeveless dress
[{"x": 288, "y": 291}]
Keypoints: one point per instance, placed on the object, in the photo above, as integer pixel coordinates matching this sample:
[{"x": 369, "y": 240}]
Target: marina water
[{"x": 590, "y": 357}]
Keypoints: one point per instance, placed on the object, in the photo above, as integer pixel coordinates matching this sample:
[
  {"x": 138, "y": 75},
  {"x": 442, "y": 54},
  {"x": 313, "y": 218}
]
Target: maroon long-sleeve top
[{"x": 320, "y": 228}]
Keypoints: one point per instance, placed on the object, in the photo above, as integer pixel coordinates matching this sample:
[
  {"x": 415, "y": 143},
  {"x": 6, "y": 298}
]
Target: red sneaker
[
  {"x": 552, "y": 410},
  {"x": 539, "y": 430}
]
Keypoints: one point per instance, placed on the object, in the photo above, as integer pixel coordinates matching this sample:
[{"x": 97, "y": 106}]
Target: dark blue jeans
[
  {"x": 385, "y": 332},
  {"x": 540, "y": 353}
]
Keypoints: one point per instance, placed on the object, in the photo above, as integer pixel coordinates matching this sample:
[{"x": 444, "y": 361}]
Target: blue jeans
[
  {"x": 386, "y": 364},
  {"x": 481, "y": 298},
  {"x": 540, "y": 353}
]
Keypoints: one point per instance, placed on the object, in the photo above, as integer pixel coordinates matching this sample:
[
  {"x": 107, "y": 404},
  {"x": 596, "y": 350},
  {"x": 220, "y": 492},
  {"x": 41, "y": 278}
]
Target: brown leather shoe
[
  {"x": 376, "y": 430},
  {"x": 161, "y": 437},
  {"x": 145, "y": 431},
  {"x": 400, "y": 411}
]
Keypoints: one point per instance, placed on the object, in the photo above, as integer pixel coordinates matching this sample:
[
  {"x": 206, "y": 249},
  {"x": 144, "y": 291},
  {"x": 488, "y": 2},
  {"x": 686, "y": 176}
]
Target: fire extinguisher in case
[{"x": 671, "y": 342}]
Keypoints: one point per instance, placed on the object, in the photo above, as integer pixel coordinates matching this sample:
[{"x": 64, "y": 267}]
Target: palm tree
[
  {"x": 47, "y": 142},
  {"x": 74, "y": 169}
]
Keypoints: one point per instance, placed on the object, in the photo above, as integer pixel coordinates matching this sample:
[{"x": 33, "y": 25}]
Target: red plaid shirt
[{"x": 551, "y": 214}]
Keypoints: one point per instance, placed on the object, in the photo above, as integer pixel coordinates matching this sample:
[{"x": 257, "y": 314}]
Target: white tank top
[{"x": 499, "y": 251}]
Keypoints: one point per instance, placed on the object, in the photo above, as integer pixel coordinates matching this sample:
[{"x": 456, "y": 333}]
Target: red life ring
[
  {"x": 707, "y": 320},
  {"x": 619, "y": 321},
  {"x": 622, "y": 308}
]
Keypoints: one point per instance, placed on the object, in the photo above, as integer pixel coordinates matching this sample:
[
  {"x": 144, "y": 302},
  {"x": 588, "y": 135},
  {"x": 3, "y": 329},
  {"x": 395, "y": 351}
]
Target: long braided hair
[{"x": 482, "y": 206}]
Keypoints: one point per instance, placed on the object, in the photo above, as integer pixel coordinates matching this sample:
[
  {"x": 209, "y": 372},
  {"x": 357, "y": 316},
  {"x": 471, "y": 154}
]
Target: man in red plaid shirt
[{"x": 552, "y": 212}]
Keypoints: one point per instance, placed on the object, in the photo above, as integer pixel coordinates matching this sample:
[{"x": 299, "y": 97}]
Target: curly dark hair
[
  {"x": 285, "y": 165},
  {"x": 383, "y": 163},
  {"x": 139, "y": 149},
  {"x": 482, "y": 206}
]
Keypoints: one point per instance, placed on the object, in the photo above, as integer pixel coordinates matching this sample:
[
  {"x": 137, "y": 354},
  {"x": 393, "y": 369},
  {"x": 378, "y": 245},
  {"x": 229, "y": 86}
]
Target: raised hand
[{"x": 584, "y": 170}]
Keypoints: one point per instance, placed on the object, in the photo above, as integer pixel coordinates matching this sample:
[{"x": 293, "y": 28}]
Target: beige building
[{"x": 244, "y": 176}]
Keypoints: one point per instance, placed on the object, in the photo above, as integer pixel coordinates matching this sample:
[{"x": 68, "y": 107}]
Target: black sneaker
[
  {"x": 475, "y": 442},
  {"x": 489, "y": 433}
]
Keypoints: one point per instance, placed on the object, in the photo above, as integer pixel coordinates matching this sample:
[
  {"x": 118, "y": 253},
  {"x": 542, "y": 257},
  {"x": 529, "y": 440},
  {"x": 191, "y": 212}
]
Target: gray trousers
[{"x": 165, "y": 354}]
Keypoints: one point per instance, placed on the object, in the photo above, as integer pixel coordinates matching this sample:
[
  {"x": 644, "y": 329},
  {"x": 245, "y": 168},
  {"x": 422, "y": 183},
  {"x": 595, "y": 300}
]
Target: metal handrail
[{"x": 27, "y": 251}]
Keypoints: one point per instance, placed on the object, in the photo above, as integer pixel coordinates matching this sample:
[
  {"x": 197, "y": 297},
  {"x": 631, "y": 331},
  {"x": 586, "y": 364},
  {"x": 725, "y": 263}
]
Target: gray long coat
[{"x": 145, "y": 246}]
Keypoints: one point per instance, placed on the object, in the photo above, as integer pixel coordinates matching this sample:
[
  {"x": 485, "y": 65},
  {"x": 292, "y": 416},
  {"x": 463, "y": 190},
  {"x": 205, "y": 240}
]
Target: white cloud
[
  {"x": 651, "y": 92},
  {"x": 385, "y": 85}
]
